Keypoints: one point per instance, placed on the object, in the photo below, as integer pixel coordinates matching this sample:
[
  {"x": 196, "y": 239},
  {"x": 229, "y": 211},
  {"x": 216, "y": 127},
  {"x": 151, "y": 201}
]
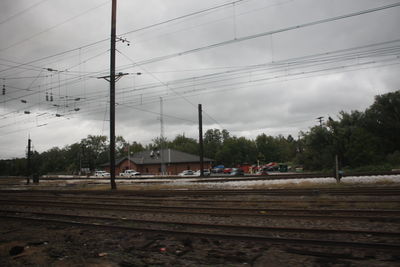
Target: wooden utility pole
[
  {"x": 320, "y": 119},
  {"x": 162, "y": 147},
  {"x": 337, "y": 174},
  {"x": 201, "y": 141},
  {"x": 29, "y": 161},
  {"x": 112, "y": 78},
  {"x": 112, "y": 94}
]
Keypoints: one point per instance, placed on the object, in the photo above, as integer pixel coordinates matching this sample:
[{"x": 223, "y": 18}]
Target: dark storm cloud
[{"x": 282, "y": 102}]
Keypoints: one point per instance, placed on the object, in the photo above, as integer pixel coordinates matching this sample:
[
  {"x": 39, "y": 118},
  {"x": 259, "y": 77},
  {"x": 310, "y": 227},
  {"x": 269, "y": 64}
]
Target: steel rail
[
  {"x": 379, "y": 246},
  {"x": 236, "y": 209},
  {"x": 217, "y": 192},
  {"x": 207, "y": 211},
  {"x": 218, "y": 226},
  {"x": 241, "y": 201}
]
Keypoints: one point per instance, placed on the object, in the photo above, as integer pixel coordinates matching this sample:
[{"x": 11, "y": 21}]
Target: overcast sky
[{"x": 249, "y": 65}]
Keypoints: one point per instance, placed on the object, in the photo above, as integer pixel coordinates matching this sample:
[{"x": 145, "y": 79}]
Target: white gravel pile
[
  {"x": 194, "y": 184},
  {"x": 348, "y": 180}
]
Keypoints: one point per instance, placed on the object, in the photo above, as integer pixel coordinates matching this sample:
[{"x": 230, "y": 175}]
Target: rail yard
[{"x": 343, "y": 226}]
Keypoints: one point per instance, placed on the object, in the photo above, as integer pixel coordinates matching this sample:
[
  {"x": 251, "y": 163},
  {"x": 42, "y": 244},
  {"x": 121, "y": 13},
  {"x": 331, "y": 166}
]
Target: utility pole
[
  {"x": 112, "y": 93},
  {"x": 112, "y": 78},
  {"x": 320, "y": 119},
  {"x": 129, "y": 157},
  {"x": 201, "y": 141},
  {"x": 337, "y": 176},
  {"x": 162, "y": 136},
  {"x": 29, "y": 160}
]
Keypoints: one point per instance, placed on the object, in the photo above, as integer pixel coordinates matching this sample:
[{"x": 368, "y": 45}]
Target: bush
[
  {"x": 371, "y": 168},
  {"x": 394, "y": 159}
]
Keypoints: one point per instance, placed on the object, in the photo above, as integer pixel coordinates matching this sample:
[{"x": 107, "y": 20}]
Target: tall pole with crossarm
[{"x": 112, "y": 93}]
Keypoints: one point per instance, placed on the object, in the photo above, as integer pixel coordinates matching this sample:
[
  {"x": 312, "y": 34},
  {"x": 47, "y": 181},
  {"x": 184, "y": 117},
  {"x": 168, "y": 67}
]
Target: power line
[
  {"x": 217, "y": 44},
  {"x": 107, "y": 39},
  {"x": 19, "y": 13},
  {"x": 326, "y": 57},
  {"x": 94, "y": 111},
  {"x": 53, "y": 27},
  {"x": 322, "y": 57},
  {"x": 254, "y": 36},
  {"x": 155, "y": 113},
  {"x": 262, "y": 79},
  {"x": 182, "y": 17},
  {"x": 167, "y": 86}
]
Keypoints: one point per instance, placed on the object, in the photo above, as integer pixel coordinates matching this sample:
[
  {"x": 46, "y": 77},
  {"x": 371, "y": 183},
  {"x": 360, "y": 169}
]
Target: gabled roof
[{"x": 170, "y": 156}]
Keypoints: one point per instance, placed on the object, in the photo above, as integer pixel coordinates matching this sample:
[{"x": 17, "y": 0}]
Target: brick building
[{"x": 149, "y": 162}]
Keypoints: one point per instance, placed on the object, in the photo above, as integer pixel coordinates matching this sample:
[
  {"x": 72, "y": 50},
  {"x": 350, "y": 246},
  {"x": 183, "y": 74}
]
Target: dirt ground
[
  {"x": 34, "y": 244},
  {"x": 51, "y": 244}
]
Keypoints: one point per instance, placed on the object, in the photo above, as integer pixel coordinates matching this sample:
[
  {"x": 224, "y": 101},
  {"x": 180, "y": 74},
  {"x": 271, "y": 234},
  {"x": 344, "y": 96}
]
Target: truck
[{"x": 129, "y": 173}]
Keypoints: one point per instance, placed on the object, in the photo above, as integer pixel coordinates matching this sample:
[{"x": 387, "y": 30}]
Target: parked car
[
  {"x": 129, "y": 173},
  {"x": 218, "y": 169},
  {"x": 101, "y": 174},
  {"x": 186, "y": 173},
  {"x": 236, "y": 172},
  {"x": 227, "y": 170},
  {"x": 263, "y": 171},
  {"x": 206, "y": 172}
]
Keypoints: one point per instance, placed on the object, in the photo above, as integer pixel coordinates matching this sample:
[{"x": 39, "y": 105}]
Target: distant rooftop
[{"x": 154, "y": 157}]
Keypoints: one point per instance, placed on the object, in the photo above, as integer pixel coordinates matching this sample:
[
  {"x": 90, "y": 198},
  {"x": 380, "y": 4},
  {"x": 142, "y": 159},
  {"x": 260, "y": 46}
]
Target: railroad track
[
  {"x": 319, "y": 222},
  {"x": 275, "y": 205},
  {"x": 375, "y": 215},
  {"x": 67, "y": 196},
  {"x": 377, "y": 240},
  {"x": 356, "y": 191}
]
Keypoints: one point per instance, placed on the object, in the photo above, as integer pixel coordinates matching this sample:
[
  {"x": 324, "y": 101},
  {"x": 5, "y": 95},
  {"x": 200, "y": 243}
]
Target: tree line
[{"x": 362, "y": 140}]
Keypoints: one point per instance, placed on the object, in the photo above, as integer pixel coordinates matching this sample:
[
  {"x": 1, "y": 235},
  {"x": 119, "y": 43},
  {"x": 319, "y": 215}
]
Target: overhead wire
[
  {"x": 19, "y": 13},
  {"x": 171, "y": 89},
  {"x": 182, "y": 17},
  {"x": 257, "y": 66},
  {"x": 276, "y": 77},
  {"x": 251, "y": 68},
  {"x": 339, "y": 71},
  {"x": 53, "y": 27},
  {"x": 228, "y": 41},
  {"x": 254, "y": 36},
  {"x": 107, "y": 39}
]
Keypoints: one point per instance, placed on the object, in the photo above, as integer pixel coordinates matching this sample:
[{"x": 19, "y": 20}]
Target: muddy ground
[
  {"x": 44, "y": 244},
  {"x": 25, "y": 243}
]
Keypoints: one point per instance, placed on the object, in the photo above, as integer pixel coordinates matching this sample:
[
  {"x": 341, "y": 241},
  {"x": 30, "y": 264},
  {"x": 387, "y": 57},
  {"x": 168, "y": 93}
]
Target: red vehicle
[
  {"x": 227, "y": 170},
  {"x": 263, "y": 171}
]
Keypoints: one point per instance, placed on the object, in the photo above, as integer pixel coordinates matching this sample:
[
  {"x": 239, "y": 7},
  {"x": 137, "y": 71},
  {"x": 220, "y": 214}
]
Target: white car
[
  {"x": 129, "y": 173},
  {"x": 102, "y": 174},
  {"x": 187, "y": 173},
  {"x": 206, "y": 172}
]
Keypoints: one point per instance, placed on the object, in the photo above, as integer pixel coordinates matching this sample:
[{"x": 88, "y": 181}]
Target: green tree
[
  {"x": 136, "y": 147},
  {"x": 271, "y": 148},
  {"x": 95, "y": 151},
  {"x": 382, "y": 119},
  {"x": 121, "y": 147},
  {"x": 318, "y": 150},
  {"x": 352, "y": 142},
  {"x": 185, "y": 144},
  {"x": 53, "y": 161},
  {"x": 212, "y": 141}
]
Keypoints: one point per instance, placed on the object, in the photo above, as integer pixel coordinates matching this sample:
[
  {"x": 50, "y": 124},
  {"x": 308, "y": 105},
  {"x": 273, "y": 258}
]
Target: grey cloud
[{"x": 285, "y": 104}]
